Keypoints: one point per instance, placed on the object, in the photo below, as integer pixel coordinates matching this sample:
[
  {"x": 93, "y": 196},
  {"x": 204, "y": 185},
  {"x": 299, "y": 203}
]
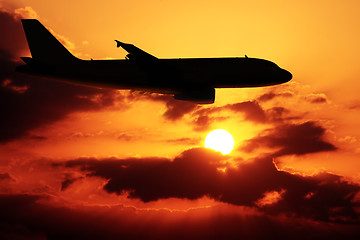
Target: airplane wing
[
  {"x": 136, "y": 53},
  {"x": 158, "y": 70}
]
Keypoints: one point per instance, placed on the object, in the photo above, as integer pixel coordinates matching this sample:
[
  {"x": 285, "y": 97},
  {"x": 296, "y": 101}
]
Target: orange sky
[{"x": 308, "y": 126}]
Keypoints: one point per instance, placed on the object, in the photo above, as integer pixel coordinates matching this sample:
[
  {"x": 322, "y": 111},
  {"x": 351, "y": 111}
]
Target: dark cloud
[
  {"x": 296, "y": 139},
  {"x": 276, "y": 114},
  {"x": 202, "y": 122},
  {"x": 316, "y": 98},
  {"x": 68, "y": 181},
  {"x": 319, "y": 100},
  {"x": 204, "y": 116},
  {"x": 201, "y": 114},
  {"x": 271, "y": 95},
  {"x": 175, "y": 109},
  {"x": 5, "y": 176},
  {"x": 12, "y": 41},
  {"x": 331, "y": 196},
  {"x": 44, "y": 103},
  {"x": 30, "y": 102},
  {"x": 184, "y": 141},
  {"x": 252, "y": 110},
  {"x": 152, "y": 178},
  {"x": 31, "y": 217},
  {"x": 195, "y": 174},
  {"x": 125, "y": 137},
  {"x": 38, "y": 137}
]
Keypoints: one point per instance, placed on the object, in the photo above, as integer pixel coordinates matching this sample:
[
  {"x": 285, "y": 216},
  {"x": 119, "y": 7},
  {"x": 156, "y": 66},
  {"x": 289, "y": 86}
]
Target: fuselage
[{"x": 164, "y": 75}]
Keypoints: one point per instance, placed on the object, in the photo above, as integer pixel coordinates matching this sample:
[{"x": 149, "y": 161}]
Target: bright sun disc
[{"x": 220, "y": 140}]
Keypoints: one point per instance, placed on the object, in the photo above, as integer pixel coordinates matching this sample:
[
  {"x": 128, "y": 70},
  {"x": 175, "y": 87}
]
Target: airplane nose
[{"x": 287, "y": 75}]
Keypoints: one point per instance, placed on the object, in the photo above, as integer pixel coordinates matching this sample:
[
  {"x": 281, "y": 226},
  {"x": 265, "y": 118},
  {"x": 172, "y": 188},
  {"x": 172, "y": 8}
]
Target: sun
[{"x": 220, "y": 140}]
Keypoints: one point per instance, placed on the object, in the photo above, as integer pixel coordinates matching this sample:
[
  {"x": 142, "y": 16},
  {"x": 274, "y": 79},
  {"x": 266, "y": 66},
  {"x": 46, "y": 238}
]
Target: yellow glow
[{"x": 220, "y": 140}]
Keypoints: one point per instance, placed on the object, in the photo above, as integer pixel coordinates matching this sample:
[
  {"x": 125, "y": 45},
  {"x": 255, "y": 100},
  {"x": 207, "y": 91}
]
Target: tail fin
[{"x": 44, "y": 47}]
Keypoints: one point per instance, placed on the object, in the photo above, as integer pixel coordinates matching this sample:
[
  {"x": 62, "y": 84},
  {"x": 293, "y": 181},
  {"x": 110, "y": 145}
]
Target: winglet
[
  {"x": 118, "y": 43},
  {"x": 131, "y": 49}
]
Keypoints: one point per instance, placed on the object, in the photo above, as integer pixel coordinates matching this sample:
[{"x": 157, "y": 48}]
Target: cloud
[
  {"x": 68, "y": 181},
  {"x": 29, "y": 13},
  {"x": 252, "y": 110},
  {"x": 194, "y": 174},
  {"x": 162, "y": 179},
  {"x": 28, "y": 102},
  {"x": 125, "y": 137},
  {"x": 37, "y": 217},
  {"x": 175, "y": 109},
  {"x": 312, "y": 97},
  {"x": 42, "y": 103},
  {"x": 316, "y": 98},
  {"x": 296, "y": 139},
  {"x": 63, "y": 40},
  {"x": 277, "y": 114},
  {"x": 12, "y": 41},
  {"x": 271, "y": 95},
  {"x": 26, "y": 12},
  {"x": 5, "y": 176},
  {"x": 201, "y": 114},
  {"x": 202, "y": 123},
  {"x": 184, "y": 141},
  {"x": 203, "y": 117}
]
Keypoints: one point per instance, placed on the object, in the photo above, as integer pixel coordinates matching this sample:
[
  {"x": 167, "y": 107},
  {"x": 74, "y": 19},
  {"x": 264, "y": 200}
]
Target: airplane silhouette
[{"x": 190, "y": 79}]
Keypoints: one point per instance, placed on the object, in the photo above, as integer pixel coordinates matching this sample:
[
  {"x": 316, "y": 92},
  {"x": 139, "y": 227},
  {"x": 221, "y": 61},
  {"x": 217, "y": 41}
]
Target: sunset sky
[{"x": 88, "y": 163}]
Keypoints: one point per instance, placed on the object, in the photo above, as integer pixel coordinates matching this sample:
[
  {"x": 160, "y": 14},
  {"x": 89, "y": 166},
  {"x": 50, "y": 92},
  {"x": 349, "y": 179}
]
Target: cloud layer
[
  {"x": 35, "y": 217},
  {"x": 195, "y": 173}
]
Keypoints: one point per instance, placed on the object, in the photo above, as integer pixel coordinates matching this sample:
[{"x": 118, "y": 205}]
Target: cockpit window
[
  {"x": 269, "y": 64},
  {"x": 259, "y": 62}
]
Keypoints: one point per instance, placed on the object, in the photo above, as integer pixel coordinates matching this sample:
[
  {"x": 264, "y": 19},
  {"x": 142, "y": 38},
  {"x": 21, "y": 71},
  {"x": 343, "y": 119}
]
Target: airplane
[{"x": 189, "y": 79}]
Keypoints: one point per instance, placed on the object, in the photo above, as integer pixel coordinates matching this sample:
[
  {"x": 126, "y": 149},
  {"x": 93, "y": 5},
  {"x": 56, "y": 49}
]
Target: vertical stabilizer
[{"x": 44, "y": 47}]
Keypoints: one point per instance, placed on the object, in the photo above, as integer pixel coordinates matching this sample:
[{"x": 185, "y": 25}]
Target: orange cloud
[{"x": 26, "y": 12}]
